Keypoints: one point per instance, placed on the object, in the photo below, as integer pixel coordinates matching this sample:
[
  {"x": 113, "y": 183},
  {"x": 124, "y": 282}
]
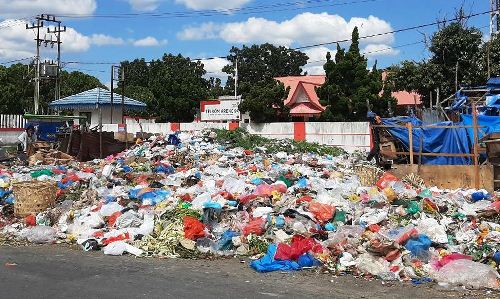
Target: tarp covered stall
[{"x": 432, "y": 140}]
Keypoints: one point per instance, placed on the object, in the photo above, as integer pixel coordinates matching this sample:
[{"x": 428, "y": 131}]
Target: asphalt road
[{"x": 59, "y": 272}]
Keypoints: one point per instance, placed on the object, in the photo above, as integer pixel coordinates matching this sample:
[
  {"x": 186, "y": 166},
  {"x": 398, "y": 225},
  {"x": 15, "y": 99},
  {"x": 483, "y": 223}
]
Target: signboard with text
[{"x": 220, "y": 110}]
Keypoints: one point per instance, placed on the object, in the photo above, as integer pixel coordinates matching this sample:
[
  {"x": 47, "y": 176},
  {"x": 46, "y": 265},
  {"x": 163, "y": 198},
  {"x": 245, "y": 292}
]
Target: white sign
[{"x": 220, "y": 110}]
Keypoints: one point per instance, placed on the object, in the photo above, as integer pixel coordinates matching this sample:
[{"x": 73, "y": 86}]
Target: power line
[
  {"x": 16, "y": 60},
  {"x": 295, "y": 5}
]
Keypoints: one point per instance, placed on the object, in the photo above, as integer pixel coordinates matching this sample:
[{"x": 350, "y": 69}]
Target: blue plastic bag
[
  {"x": 418, "y": 246},
  {"x": 226, "y": 240},
  {"x": 302, "y": 183},
  {"x": 267, "y": 263},
  {"x": 307, "y": 260},
  {"x": 477, "y": 196}
]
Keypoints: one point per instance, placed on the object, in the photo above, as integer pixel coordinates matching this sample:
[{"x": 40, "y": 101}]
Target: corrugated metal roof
[{"x": 91, "y": 98}]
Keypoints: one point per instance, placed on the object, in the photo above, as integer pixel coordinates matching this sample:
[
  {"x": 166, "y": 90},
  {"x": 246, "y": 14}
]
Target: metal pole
[
  {"x": 123, "y": 94},
  {"x": 100, "y": 122},
  {"x": 476, "y": 146},
  {"x": 236, "y": 79},
  {"x": 112, "y": 83},
  {"x": 37, "y": 77}
]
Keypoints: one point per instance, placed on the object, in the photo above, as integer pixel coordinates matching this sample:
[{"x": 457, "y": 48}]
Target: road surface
[{"x": 60, "y": 272}]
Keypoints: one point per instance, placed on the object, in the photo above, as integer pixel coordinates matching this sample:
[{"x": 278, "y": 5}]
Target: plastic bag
[
  {"x": 386, "y": 180},
  {"x": 128, "y": 219},
  {"x": 468, "y": 273},
  {"x": 322, "y": 212},
  {"x": 267, "y": 263},
  {"x": 298, "y": 247},
  {"x": 255, "y": 226},
  {"x": 432, "y": 228},
  {"x": 40, "y": 234},
  {"x": 193, "y": 228},
  {"x": 419, "y": 246},
  {"x": 120, "y": 247}
]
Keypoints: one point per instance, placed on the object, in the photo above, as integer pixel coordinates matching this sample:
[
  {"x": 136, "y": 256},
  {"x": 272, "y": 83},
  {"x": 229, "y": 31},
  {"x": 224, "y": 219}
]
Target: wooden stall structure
[{"x": 445, "y": 176}]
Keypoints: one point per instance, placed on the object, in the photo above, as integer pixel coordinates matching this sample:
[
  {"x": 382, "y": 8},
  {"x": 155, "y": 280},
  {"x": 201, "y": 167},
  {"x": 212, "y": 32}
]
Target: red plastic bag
[
  {"x": 255, "y": 226},
  {"x": 121, "y": 237},
  {"x": 305, "y": 198},
  {"x": 30, "y": 220},
  {"x": 386, "y": 180},
  {"x": 113, "y": 217},
  {"x": 298, "y": 247},
  {"x": 193, "y": 228},
  {"x": 322, "y": 212}
]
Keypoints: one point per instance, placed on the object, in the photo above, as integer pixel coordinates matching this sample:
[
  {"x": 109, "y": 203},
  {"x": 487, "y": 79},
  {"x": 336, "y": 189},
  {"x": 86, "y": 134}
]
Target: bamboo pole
[
  {"x": 476, "y": 146},
  {"x": 410, "y": 138}
]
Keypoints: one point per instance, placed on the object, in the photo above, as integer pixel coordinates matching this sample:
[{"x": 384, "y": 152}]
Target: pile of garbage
[{"x": 192, "y": 196}]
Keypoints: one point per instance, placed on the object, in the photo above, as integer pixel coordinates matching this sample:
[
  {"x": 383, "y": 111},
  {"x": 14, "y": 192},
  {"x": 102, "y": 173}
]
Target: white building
[{"x": 92, "y": 102}]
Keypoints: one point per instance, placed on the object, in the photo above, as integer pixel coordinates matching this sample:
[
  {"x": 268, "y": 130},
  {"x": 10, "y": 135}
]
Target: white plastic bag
[
  {"x": 468, "y": 273},
  {"x": 120, "y": 247},
  {"x": 40, "y": 234}
]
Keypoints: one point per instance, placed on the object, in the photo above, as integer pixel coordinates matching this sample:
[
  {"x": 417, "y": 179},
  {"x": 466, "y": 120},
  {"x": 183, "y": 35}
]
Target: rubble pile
[{"x": 197, "y": 196}]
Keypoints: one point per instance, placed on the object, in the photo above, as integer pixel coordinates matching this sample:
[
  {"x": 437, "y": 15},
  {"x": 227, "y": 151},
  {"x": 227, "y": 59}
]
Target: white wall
[
  {"x": 271, "y": 130},
  {"x": 348, "y": 135},
  {"x": 106, "y": 115}
]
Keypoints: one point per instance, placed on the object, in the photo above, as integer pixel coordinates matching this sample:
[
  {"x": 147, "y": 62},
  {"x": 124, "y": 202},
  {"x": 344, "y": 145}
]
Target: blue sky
[{"x": 115, "y": 30}]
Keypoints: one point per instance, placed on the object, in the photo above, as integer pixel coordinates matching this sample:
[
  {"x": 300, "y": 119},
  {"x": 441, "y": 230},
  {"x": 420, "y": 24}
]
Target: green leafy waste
[{"x": 241, "y": 138}]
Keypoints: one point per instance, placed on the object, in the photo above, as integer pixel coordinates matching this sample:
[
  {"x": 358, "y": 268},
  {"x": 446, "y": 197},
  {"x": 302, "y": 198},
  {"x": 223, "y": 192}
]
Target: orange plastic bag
[
  {"x": 386, "y": 180},
  {"x": 255, "y": 226},
  {"x": 193, "y": 228},
  {"x": 322, "y": 212}
]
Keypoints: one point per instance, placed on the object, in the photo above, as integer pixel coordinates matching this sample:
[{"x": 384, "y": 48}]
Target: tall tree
[
  {"x": 258, "y": 65},
  {"x": 16, "y": 88},
  {"x": 349, "y": 86},
  {"x": 457, "y": 58},
  {"x": 175, "y": 82}
]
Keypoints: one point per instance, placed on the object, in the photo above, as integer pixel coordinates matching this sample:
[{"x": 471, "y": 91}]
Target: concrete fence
[
  {"x": 347, "y": 135},
  {"x": 11, "y": 126}
]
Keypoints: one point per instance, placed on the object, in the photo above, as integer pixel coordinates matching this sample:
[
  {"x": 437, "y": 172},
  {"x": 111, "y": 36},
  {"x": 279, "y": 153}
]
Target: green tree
[
  {"x": 264, "y": 102},
  {"x": 258, "y": 65},
  {"x": 457, "y": 58},
  {"x": 173, "y": 85},
  {"x": 17, "y": 88},
  {"x": 349, "y": 86},
  {"x": 215, "y": 88}
]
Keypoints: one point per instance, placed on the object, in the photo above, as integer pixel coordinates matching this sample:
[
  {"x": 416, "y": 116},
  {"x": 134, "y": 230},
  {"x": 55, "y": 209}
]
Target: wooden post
[
  {"x": 68, "y": 148},
  {"x": 410, "y": 138},
  {"x": 476, "y": 146}
]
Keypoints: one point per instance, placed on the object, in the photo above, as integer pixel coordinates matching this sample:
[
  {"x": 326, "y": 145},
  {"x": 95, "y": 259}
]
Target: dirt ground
[{"x": 60, "y": 272}]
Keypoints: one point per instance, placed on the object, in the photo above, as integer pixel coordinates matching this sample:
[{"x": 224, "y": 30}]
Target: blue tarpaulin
[
  {"x": 434, "y": 140},
  {"x": 487, "y": 124}
]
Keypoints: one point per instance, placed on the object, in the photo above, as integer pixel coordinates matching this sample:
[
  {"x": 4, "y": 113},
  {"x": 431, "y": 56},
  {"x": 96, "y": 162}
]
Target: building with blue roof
[{"x": 90, "y": 102}]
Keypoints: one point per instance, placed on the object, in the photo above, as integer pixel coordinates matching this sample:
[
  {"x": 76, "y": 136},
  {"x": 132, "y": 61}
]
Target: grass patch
[{"x": 241, "y": 138}]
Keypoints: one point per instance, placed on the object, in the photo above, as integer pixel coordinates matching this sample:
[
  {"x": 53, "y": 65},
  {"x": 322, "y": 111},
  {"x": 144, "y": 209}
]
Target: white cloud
[
  {"x": 213, "y": 4},
  {"x": 149, "y": 42},
  {"x": 317, "y": 58},
  {"x": 17, "y": 42},
  {"x": 303, "y": 29},
  {"x": 214, "y": 66},
  {"x": 144, "y": 5},
  {"x": 27, "y": 8},
  {"x": 103, "y": 40},
  {"x": 208, "y": 30}
]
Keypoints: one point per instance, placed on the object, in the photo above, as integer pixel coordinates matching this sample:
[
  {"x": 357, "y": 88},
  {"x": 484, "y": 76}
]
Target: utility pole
[
  {"x": 57, "y": 30},
  {"x": 494, "y": 17},
  {"x": 236, "y": 79},
  {"x": 37, "y": 26},
  {"x": 111, "y": 88},
  {"x": 122, "y": 81}
]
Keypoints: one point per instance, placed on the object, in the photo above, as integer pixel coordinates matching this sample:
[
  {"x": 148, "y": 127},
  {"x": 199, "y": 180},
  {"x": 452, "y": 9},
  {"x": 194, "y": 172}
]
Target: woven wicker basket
[
  {"x": 368, "y": 176},
  {"x": 33, "y": 197}
]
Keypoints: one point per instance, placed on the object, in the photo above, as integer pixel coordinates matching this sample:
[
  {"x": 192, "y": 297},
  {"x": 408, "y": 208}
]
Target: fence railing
[{"x": 12, "y": 121}]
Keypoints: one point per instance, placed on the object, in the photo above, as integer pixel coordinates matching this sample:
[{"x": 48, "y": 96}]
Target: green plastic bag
[
  {"x": 413, "y": 208},
  {"x": 39, "y": 173}
]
